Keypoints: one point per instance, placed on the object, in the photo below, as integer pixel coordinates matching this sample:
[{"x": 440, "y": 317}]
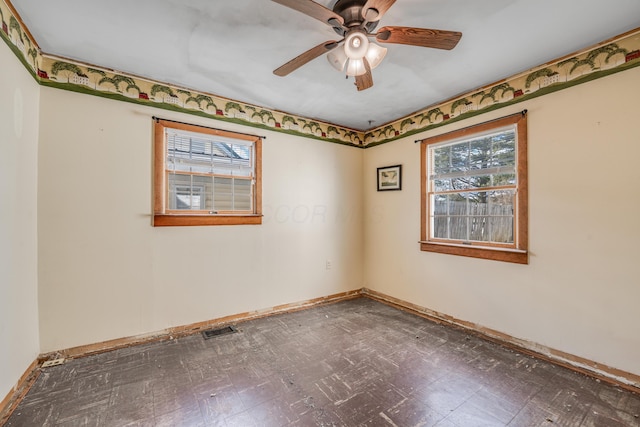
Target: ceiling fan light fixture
[
  {"x": 356, "y": 67},
  {"x": 375, "y": 54},
  {"x": 356, "y": 45},
  {"x": 356, "y": 54},
  {"x": 337, "y": 58}
]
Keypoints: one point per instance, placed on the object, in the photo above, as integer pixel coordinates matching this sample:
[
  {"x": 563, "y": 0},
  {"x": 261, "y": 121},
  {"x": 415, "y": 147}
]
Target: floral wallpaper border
[
  {"x": 618, "y": 54},
  {"x": 609, "y": 57}
]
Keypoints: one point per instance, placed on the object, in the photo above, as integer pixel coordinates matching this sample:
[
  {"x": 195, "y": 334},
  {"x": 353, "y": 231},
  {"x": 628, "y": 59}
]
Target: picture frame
[{"x": 390, "y": 178}]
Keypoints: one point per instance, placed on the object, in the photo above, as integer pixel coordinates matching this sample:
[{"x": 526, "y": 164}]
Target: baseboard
[
  {"x": 179, "y": 331},
  {"x": 602, "y": 372},
  {"x": 11, "y": 401},
  {"x": 22, "y": 387},
  {"x": 615, "y": 376}
]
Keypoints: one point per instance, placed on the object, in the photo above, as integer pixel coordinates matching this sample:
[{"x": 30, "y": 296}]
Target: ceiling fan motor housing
[{"x": 351, "y": 12}]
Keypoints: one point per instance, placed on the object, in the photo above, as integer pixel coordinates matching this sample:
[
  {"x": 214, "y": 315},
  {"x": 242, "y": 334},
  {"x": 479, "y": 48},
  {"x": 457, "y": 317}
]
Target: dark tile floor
[{"x": 353, "y": 363}]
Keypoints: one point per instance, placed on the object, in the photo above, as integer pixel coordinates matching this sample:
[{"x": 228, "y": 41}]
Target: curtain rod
[
  {"x": 523, "y": 113},
  {"x": 157, "y": 119}
]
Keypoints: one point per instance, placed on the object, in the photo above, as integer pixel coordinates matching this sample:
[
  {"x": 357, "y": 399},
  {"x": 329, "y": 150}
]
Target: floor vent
[
  {"x": 50, "y": 363},
  {"x": 211, "y": 333}
]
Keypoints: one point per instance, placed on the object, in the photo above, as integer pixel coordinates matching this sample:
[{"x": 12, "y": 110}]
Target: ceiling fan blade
[
  {"x": 374, "y": 9},
  {"x": 314, "y": 10},
  {"x": 424, "y": 37},
  {"x": 365, "y": 81},
  {"x": 305, "y": 57}
]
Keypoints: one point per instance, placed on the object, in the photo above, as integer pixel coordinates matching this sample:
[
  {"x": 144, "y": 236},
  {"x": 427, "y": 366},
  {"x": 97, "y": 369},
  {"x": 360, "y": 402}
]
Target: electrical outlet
[
  {"x": 54, "y": 362},
  {"x": 328, "y": 265}
]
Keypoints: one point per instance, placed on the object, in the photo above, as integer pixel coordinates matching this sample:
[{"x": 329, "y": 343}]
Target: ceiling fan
[{"x": 355, "y": 21}]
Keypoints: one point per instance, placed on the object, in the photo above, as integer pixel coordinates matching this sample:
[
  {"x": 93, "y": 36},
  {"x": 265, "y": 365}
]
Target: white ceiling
[{"x": 230, "y": 48}]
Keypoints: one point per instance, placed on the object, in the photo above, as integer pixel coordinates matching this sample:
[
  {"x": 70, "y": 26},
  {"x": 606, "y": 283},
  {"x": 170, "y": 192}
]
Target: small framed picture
[{"x": 390, "y": 178}]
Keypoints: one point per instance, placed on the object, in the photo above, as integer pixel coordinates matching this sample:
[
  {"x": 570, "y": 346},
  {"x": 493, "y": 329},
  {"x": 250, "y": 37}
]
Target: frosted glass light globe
[{"x": 356, "y": 45}]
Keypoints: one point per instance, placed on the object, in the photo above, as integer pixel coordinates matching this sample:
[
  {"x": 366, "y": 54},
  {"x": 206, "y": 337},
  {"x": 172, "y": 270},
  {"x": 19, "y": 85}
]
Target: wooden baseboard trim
[
  {"x": 179, "y": 331},
  {"x": 611, "y": 375},
  {"x": 618, "y": 377},
  {"x": 11, "y": 401},
  {"x": 22, "y": 387}
]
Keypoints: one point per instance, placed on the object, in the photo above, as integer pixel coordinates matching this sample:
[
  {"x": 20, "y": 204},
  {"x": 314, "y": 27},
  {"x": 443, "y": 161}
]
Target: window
[
  {"x": 474, "y": 191},
  {"x": 206, "y": 176}
]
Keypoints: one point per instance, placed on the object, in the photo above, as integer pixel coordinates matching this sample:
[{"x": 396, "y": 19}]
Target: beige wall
[
  {"x": 581, "y": 289},
  {"x": 19, "y": 98},
  {"x": 105, "y": 273}
]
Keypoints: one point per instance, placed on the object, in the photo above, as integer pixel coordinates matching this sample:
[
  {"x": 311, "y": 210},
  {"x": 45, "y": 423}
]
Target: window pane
[
  {"x": 441, "y": 160},
  {"x": 479, "y": 219},
  {"x": 458, "y": 204},
  {"x": 440, "y": 219},
  {"x": 207, "y": 156},
  {"x": 458, "y": 228},
  {"x": 504, "y": 179},
  {"x": 233, "y": 194},
  {"x": 442, "y": 185},
  {"x": 502, "y": 229},
  {"x": 459, "y": 157},
  {"x": 461, "y": 184},
  {"x": 440, "y": 204},
  {"x": 468, "y": 170},
  {"x": 242, "y": 194},
  {"x": 478, "y": 204},
  {"x": 191, "y": 152},
  {"x": 206, "y": 184},
  {"x": 504, "y": 149},
  {"x": 183, "y": 194},
  {"x": 501, "y": 210},
  {"x": 480, "y": 153},
  {"x": 479, "y": 228},
  {"x": 197, "y": 192},
  {"x": 440, "y": 227},
  {"x": 501, "y": 202},
  {"x": 243, "y": 151},
  {"x": 223, "y": 194},
  {"x": 477, "y": 157}
]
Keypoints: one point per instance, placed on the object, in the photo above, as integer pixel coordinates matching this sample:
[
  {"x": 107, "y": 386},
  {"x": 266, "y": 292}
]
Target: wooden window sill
[
  {"x": 497, "y": 254},
  {"x": 160, "y": 220}
]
